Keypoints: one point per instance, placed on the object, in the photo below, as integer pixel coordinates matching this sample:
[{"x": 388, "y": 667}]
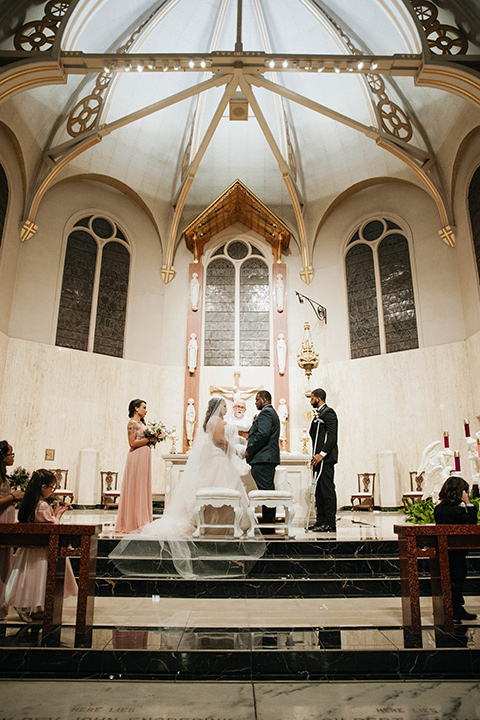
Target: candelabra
[{"x": 307, "y": 359}]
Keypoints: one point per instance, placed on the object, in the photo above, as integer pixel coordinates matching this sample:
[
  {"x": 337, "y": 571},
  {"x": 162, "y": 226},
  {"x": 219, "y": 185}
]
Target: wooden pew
[
  {"x": 433, "y": 542},
  {"x": 62, "y": 541}
]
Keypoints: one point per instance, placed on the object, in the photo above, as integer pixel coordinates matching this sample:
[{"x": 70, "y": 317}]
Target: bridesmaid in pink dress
[
  {"x": 27, "y": 582},
  {"x": 8, "y": 498},
  {"x": 135, "y": 504}
]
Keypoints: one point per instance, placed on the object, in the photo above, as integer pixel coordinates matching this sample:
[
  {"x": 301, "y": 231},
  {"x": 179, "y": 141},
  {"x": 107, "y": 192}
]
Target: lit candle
[
  {"x": 446, "y": 440},
  {"x": 478, "y": 447},
  {"x": 457, "y": 461},
  {"x": 466, "y": 425}
]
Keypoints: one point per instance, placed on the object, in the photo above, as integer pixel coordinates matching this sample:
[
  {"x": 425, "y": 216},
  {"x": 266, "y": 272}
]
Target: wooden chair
[
  {"x": 109, "y": 489},
  {"x": 364, "y": 496},
  {"x": 416, "y": 493},
  {"x": 61, "y": 491}
]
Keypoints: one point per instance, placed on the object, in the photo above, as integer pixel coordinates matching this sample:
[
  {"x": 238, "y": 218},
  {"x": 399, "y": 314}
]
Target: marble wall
[{"x": 69, "y": 400}]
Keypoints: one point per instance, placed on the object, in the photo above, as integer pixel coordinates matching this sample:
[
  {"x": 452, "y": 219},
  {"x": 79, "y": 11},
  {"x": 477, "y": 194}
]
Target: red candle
[
  {"x": 446, "y": 440},
  {"x": 466, "y": 425},
  {"x": 457, "y": 461},
  {"x": 478, "y": 447}
]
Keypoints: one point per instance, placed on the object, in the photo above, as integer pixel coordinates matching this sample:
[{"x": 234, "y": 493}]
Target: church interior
[{"x": 215, "y": 197}]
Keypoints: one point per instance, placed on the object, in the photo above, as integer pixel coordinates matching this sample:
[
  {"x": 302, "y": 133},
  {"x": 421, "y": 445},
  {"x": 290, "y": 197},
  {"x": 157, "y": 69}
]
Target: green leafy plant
[
  {"x": 476, "y": 502},
  {"x": 419, "y": 513}
]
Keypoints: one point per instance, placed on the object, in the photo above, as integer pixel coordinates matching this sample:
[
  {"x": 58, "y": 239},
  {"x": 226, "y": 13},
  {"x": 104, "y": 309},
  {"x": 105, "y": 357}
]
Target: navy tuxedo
[{"x": 263, "y": 453}]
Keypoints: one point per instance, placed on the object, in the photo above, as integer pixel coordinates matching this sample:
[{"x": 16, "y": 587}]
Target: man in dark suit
[
  {"x": 323, "y": 431},
  {"x": 263, "y": 451}
]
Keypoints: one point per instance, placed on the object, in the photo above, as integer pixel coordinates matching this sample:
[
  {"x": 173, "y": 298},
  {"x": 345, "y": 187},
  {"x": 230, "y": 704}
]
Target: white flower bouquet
[{"x": 156, "y": 431}]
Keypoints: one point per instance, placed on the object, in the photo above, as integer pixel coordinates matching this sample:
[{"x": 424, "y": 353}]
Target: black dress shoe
[
  {"x": 316, "y": 528},
  {"x": 329, "y": 528},
  {"x": 462, "y": 614}
]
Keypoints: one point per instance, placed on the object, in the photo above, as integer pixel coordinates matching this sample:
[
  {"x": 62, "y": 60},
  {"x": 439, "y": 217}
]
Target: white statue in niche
[
  {"x": 190, "y": 416},
  {"x": 281, "y": 353},
  {"x": 283, "y": 415},
  {"x": 192, "y": 353},
  {"x": 194, "y": 291},
  {"x": 279, "y": 291}
]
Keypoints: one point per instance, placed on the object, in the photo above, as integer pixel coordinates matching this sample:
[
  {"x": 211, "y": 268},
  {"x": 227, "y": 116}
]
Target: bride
[{"x": 210, "y": 464}]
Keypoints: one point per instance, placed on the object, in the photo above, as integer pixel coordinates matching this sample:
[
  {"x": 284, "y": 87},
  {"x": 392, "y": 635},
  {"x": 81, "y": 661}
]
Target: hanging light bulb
[
  {"x": 140, "y": 66},
  {"x": 203, "y": 63},
  {"x": 191, "y": 63},
  {"x": 128, "y": 66},
  {"x": 321, "y": 66}
]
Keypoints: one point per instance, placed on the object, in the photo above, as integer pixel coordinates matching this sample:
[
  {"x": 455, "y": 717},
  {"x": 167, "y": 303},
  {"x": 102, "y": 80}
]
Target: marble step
[
  {"x": 283, "y": 654},
  {"x": 255, "y": 588}
]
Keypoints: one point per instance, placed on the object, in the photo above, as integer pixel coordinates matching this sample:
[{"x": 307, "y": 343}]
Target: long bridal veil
[{"x": 166, "y": 546}]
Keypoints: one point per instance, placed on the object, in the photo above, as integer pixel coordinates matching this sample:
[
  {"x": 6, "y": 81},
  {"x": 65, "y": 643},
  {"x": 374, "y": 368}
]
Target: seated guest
[{"x": 455, "y": 508}]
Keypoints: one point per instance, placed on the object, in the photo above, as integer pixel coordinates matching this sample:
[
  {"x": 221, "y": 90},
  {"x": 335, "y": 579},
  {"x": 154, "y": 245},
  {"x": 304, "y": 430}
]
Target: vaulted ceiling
[{"x": 300, "y": 100}]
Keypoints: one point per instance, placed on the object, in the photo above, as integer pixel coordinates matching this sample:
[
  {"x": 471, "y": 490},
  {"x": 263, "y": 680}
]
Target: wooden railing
[
  {"x": 432, "y": 542},
  {"x": 62, "y": 541}
]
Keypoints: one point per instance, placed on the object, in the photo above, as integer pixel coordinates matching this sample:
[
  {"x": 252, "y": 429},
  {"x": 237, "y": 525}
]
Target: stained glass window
[
  {"x": 380, "y": 239},
  {"x": 254, "y": 313},
  {"x": 112, "y": 300},
  {"x": 362, "y": 302},
  {"x": 220, "y": 313},
  {"x": 237, "y": 307},
  {"x": 3, "y": 200},
  {"x": 87, "y": 246},
  {"x": 397, "y": 294},
  {"x": 474, "y": 208},
  {"x": 73, "y": 325}
]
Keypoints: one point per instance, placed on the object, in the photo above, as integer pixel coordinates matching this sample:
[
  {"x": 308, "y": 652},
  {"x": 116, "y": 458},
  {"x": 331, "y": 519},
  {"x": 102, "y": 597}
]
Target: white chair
[
  {"x": 217, "y": 497},
  {"x": 282, "y": 496}
]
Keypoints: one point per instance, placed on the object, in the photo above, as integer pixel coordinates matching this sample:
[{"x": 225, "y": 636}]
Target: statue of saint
[
  {"x": 281, "y": 353},
  {"x": 283, "y": 415},
  {"x": 194, "y": 291},
  {"x": 192, "y": 353},
  {"x": 190, "y": 415},
  {"x": 279, "y": 291}
]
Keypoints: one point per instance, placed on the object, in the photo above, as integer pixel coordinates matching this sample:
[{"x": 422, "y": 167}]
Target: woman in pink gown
[
  {"x": 135, "y": 504},
  {"x": 27, "y": 582},
  {"x": 8, "y": 498}
]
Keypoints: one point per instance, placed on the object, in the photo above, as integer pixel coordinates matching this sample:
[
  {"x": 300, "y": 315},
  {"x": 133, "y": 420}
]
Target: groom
[{"x": 263, "y": 452}]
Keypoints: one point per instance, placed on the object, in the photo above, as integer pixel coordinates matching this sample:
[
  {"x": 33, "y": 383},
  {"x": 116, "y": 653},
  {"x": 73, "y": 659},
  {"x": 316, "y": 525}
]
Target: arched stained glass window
[
  {"x": 112, "y": 300},
  {"x": 220, "y": 313},
  {"x": 381, "y": 302},
  {"x": 93, "y": 301},
  {"x": 397, "y": 294},
  {"x": 3, "y": 200},
  {"x": 254, "y": 313},
  {"x": 362, "y": 302},
  {"x": 237, "y": 307},
  {"x": 474, "y": 209},
  {"x": 73, "y": 324}
]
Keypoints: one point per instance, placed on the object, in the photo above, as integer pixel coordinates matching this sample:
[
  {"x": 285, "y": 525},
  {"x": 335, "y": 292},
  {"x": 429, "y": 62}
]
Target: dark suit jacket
[
  {"x": 447, "y": 514},
  {"x": 263, "y": 438},
  {"x": 326, "y": 423}
]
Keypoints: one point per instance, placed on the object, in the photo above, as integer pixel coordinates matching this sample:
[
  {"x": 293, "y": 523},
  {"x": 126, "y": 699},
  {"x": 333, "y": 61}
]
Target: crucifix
[{"x": 235, "y": 392}]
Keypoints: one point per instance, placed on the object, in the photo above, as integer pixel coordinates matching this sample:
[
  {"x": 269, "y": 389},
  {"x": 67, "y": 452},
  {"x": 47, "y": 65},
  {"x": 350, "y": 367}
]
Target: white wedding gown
[{"x": 167, "y": 541}]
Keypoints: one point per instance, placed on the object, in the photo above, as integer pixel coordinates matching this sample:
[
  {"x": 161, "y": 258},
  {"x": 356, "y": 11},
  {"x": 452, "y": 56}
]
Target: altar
[{"x": 296, "y": 465}]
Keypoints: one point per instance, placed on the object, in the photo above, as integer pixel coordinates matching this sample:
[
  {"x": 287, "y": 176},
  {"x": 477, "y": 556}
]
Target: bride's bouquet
[{"x": 155, "y": 431}]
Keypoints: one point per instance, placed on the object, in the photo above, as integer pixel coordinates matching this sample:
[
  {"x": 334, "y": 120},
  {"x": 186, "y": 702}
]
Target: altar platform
[{"x": 321, "y": 607}]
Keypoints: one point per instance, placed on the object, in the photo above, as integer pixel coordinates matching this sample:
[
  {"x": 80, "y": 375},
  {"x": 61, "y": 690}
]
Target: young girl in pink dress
[
  {"x": 135, "y": 504},
  {"x": 8, "y": 498},
  {"x": 26, "y": 586}
]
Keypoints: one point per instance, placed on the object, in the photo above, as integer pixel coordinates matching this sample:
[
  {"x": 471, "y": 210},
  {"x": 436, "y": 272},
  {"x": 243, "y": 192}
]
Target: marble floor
[
  {"x": 86, "y": 700},
  {"x": 358, "y": 525}
]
